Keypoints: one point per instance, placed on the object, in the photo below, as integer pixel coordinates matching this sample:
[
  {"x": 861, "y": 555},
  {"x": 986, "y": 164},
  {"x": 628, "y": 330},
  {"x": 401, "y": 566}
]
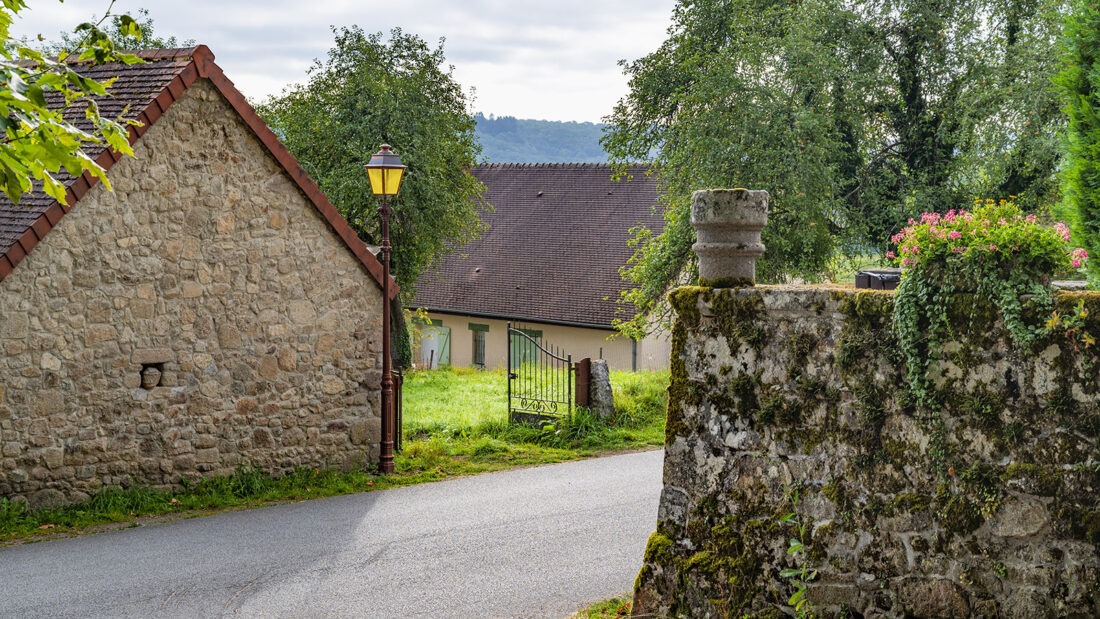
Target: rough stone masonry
[
  {"x": 200, "y": 317},
  {"x": 788, "y": 420}
]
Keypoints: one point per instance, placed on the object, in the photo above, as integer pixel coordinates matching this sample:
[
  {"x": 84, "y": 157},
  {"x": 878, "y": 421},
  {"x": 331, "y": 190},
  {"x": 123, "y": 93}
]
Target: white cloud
[{"x": 554, "y": 60}]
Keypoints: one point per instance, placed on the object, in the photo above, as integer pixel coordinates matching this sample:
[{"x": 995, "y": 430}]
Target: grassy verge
[
  {"x": 614, "y": 608},
  {"x": 842, "y": 269},
  {"x": 455, "y": 424}
]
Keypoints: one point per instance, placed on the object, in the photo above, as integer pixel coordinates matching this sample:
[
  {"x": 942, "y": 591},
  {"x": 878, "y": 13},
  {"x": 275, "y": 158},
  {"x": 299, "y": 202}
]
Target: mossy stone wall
[{"x": 789, "y": 417}]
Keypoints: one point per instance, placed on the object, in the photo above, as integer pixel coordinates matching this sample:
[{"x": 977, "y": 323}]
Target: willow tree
[{"x": 855, "y": 115}]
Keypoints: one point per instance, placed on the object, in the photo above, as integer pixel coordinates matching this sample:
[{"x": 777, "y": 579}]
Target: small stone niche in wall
[
  {"x": 151, "y": 375},
  {"x": 148, "y": 370}
]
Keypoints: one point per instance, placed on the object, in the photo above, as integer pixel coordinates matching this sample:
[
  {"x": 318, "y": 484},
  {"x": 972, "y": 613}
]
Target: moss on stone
[
  {"x": 899, "y": 453},
  {"x": 909, "y": 502},
  {"x": 1078, "y": 522},
  {"x": 1037, "y": 479},
  {"x": 743, "y": 387},
  {"x": 983, "y": 491},
  {"x": 741, "y": 318},
  {"x": 873, "y": 308},
  {"x": 834, "y": 491},
  {"x": 681, "y": 392},
  {"x": 643, "y": 576},
  {"x": 984, "y": 407},
  {"x": 1061, "y": 402},
  {"x": 685, "y": 301},
  {"x": 870, "y": 404},
  {"x": 659, "y": 548},
  {"x": 957, "y": 513},
  {"x": 985, "y": 486},
  {"x": 867, "y": 334},
  {"x": 800, "y": 345},
  {"x": 811, "y": 391},
  {"x": 774, "y": 408},
  {"x": 727, "y": 282}
]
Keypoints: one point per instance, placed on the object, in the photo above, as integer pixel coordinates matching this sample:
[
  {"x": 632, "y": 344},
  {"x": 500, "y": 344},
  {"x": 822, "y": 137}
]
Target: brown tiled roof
[
  {"x": 144, "y": 92},
  {"x": 554, "y": 246}
]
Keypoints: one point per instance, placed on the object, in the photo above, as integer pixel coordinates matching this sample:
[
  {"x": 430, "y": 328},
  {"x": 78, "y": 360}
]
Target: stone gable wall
[
  {"x": 206, "y": 270},
  {"x": 789, "y": 418}
]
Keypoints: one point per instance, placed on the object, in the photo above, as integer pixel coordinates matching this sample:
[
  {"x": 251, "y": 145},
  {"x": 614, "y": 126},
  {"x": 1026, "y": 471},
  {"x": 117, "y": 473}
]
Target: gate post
[
  {"x": 584, "y": 378},
  {"x": 508, "y": 368}
]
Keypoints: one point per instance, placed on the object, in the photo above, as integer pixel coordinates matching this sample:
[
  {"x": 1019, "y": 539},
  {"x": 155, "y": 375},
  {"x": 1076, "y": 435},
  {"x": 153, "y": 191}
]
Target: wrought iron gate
[{"x": 540, "y": 380}]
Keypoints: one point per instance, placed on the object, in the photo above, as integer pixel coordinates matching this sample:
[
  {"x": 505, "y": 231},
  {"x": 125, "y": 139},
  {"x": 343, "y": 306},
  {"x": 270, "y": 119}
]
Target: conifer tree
[{"x": 1079, "y": 83}]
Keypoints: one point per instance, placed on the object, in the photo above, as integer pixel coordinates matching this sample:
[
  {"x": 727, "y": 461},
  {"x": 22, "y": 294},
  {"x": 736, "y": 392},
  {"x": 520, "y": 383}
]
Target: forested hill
[{"x": 507, "y": 139}]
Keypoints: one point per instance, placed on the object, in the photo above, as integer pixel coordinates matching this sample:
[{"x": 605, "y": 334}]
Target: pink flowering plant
[
  {"x": 995, "y": 252},
  {"x": 996, "y": 235}
]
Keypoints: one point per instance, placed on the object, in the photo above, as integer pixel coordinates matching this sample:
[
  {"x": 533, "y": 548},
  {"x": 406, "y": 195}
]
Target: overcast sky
[{"x": 555, "y": 60}]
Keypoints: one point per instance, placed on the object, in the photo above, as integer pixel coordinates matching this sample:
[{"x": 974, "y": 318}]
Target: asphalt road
[{"x": 537, "y": 543}]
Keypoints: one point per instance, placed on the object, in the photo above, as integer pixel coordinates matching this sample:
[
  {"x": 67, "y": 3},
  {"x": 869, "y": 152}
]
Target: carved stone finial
[{"x": 727, "y": 226}]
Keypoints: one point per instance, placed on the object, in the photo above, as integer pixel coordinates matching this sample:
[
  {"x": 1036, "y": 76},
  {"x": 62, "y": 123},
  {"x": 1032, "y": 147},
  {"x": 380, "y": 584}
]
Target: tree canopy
[
  {"x": 122, "y": 35},
  {"x": 399, "y": 91},
  {"x": 853, "y": 115},
  {"x": 35, "y": 90}
]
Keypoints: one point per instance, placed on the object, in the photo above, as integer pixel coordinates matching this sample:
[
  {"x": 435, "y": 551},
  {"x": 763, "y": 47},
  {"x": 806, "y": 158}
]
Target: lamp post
[{"x": 385, "y": 172}]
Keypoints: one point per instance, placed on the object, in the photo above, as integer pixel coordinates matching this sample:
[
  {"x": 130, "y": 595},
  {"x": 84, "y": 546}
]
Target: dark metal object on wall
[{"x": 878, "y": 279}]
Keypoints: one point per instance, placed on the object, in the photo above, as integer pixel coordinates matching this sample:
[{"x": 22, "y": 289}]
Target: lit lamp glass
[{"x": 385, "y": 172}]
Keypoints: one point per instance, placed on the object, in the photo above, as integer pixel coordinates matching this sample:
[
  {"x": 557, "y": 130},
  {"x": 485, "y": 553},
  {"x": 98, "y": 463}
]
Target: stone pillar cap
[
  {"x": 730, "y": 206},
  {"x": 727, "y": 225}
]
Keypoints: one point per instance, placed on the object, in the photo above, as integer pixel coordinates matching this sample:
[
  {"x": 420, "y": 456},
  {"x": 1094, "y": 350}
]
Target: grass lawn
[
  {"x": 455, "y": 423},
  {"x": 453, "y": 400},
  {"x": 464, "y": 404}
]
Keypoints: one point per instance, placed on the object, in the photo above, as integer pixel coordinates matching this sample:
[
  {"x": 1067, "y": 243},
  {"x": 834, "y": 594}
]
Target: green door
[{"x": 523, "y": 349}]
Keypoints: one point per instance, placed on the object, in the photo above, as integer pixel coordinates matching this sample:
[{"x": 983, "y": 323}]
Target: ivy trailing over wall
[{"x": 992, "y": 258}]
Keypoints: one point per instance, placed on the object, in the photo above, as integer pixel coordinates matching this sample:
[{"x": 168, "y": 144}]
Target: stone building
[{"x": 214, "y": 310}]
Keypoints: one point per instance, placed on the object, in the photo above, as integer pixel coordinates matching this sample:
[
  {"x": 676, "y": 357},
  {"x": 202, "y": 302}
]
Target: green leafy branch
[
  {"x": 39, "y": 141},
  {"x": 801, "y": 575}
]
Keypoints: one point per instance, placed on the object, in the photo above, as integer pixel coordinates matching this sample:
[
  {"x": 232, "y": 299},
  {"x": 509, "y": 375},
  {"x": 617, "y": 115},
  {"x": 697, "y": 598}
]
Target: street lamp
[{"x": 385, "y": 172}]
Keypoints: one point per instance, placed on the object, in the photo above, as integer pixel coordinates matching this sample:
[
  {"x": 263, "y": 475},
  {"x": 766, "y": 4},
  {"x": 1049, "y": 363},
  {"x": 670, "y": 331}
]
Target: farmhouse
[
  {"x": 549, "y": 262},
  {"x": 214, "y": 310}
]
